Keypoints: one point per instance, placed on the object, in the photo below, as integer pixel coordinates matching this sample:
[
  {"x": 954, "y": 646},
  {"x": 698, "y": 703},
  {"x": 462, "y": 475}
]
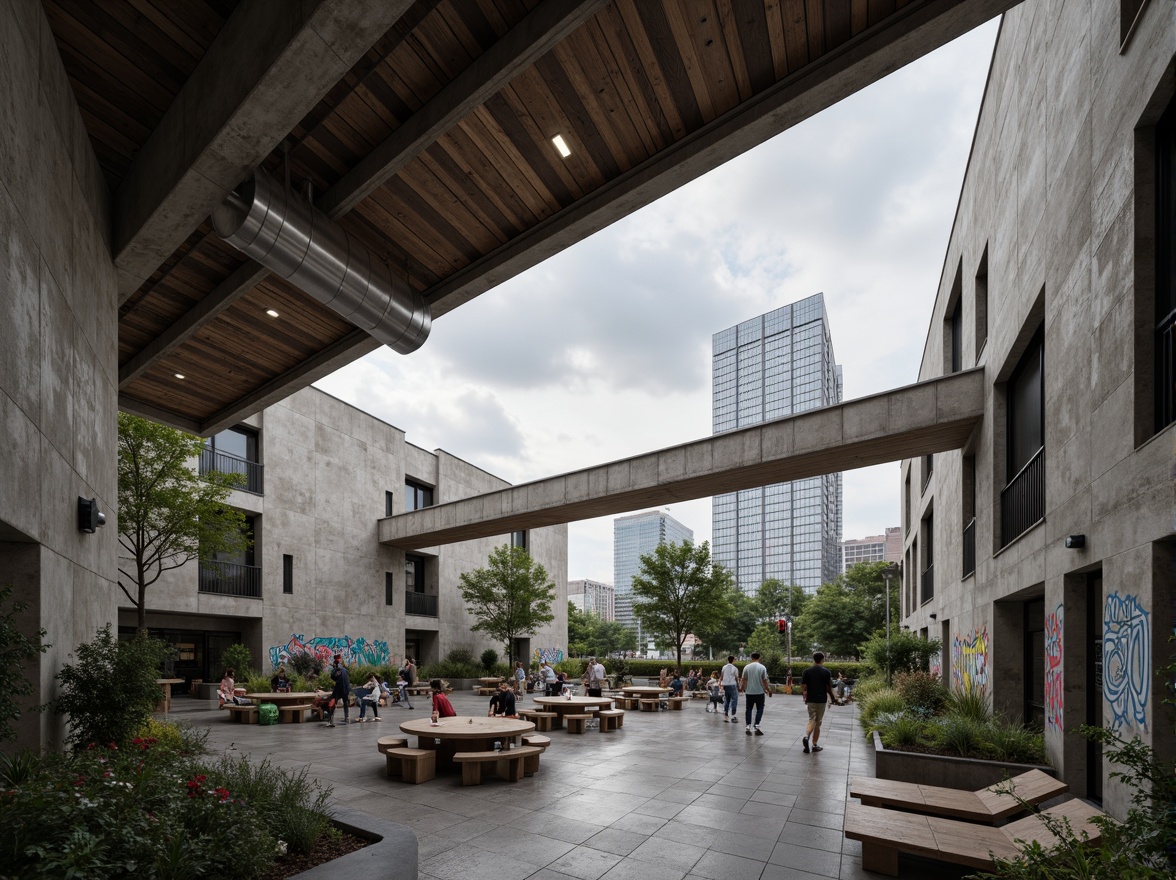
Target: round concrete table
[
  {"x": 644, "y": 693},
  {"x": 282, "y": 699},
  {"x": 562, "y": 706},
  {"x": 464, "y": 733}
]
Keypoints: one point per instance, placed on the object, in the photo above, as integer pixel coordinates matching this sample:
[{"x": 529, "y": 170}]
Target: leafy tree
[
  {"x": 167, "y": 514},
  {"x": 16, "y": 651},
  {"x": 581, "y": 631},
  {"x": 774, "y": 599},
  {"x": 511, "y": 597},
  {"x": 846, "y": 612},
  {"x": 237, "y": 657},
  {"x": 110, "y": 693},
  {"x": 906, "y": 652},
  {"x": 726, "y": 633},
  {"x": 679, "y": 590},
  {"x": 612, "y": 637}
]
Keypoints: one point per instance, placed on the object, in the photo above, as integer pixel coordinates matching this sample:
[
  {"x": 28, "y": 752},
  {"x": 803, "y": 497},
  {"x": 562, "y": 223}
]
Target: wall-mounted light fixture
[
  {"x": 1075, "y": 542},
  {"x": 90, "y": 518},
  {"x": 934, "y": 616}
]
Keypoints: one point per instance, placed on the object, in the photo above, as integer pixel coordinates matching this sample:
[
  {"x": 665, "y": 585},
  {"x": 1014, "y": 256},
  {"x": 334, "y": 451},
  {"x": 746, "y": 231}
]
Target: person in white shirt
[
  {"x": 755, "y": 685},
  {"x": 595, "y": 676},
  {"x": 729, "y": 676}
]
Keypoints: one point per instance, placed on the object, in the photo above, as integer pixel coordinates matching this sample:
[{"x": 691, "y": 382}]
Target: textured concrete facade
[
  {"x": 328, "y": 466},
  {"x": 1054, "y": 236},
  {"x": 58, "y": 366}
]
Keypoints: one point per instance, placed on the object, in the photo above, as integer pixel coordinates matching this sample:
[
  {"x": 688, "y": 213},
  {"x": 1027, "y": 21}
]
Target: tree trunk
[{"x": 142, "y": 608}]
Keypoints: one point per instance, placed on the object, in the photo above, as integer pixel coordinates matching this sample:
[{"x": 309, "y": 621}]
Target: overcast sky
[{"x": 604, "y": 351}]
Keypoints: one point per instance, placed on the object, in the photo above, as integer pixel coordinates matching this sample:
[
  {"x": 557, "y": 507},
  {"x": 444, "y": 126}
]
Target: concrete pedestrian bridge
[{"x": 932, "y": 416}]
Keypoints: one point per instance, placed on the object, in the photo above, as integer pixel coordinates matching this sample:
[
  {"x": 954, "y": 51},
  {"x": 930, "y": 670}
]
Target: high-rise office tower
[
  {"x": 633, "y": 537},
  {"x": 876, "y": 548},
  {"x": 594, "y": 597},
  {"x": 773, "y": 366}
]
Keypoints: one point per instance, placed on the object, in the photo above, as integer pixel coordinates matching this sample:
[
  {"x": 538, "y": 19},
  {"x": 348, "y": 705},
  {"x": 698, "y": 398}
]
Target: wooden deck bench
[
  {"x": 510, "y": 764},
  {"x": 576, "y": 723},
  {"x": 985, "y": 805},
  {"x": 412, "y": 765},
  {"x": 650, "y": 705},
  {"x": 243, "y": 714},
  {"x": 611, "y": 719},
  {"x": 676, "y": 702},
  {"x": 885, "y": 833},
  {"x": 293, "y": 714},
  {"x": 391, "y": 742},
  {"x": 541, "y": 720},
  {"x": 531, "y": 762}
]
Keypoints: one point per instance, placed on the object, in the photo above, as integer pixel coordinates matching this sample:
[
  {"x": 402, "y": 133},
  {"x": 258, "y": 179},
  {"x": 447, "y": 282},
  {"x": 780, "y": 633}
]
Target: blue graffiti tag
[{"x": 1126, "y": 660}]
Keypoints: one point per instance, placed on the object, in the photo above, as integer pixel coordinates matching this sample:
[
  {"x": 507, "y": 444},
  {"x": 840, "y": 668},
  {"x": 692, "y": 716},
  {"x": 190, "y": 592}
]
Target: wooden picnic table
[
  {"x": 645, "y": 691},
  {"x": 466, "y": 734},
  {"x": 166, "y": 684},
  {"x": 562, "y": 706}
]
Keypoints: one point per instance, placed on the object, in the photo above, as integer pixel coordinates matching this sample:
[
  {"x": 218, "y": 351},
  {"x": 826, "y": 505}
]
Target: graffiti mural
[
  {"x": 373, "y": 653},
  {"x": 1053, "y": 669},
  {"x": 935, "y": 665},
  {"x": 1126, "y": 660},
  {"x": 969, "y": 661},
  {"x": 551, "y": 655}
]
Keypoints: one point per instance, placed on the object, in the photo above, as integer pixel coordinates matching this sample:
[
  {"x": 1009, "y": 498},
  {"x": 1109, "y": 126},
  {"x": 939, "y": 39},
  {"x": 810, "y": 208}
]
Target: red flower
[{"x": 223, "y": 794}]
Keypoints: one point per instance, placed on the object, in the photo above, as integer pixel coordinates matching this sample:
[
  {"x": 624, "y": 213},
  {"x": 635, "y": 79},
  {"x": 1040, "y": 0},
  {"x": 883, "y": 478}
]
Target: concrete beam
[
  {"x": 268, "y": 67},
  {"x": 931, "y": 416}
]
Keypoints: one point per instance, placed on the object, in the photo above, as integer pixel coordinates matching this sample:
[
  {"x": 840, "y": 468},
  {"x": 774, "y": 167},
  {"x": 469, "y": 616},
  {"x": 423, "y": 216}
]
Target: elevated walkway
[{"x": 931, "y": 416}]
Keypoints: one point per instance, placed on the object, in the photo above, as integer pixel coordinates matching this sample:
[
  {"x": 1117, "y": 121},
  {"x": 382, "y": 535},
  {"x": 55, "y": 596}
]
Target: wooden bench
[
  {"x": 627, "y": 702},
  {"x": 385, "y": 743},
  {"x": 412, "y": 765},
  {"x": 986, "y": 805},
  {"x": 541, "y": 720},
  {"x": 610, "y": 720},
  {"x": 650, "y": 705},
  {"x": 509, "y": 764},
  {"x": 677, "y": 703},
  {"x": 577, "y": 723},
  {"x": 885, "y": 833},
  {"x": 487, "y": 692},
  {"x": 243, "y": 714},
  {"x": 531, "y": 762},
  {"x": 293, "y": 714},
  {"x": 419, "y": 690}
]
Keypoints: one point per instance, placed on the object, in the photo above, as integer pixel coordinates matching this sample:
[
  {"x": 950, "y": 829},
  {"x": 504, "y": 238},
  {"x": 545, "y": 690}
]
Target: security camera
[{"x": 90, "y": 518}]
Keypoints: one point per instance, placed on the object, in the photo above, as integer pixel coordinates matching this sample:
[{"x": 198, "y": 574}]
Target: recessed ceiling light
[
  {"x": 180, "y": 376},
  {"x": 561, "y": 145},
  {"x": 271, "y": 313}
]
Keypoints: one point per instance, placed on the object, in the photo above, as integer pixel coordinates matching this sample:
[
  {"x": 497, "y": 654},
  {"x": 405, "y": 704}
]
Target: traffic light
[{"x": 781, "y": 625}]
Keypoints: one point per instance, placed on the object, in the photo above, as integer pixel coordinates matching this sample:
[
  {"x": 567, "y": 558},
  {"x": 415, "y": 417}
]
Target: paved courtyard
[{"x": 672, "y": 795}]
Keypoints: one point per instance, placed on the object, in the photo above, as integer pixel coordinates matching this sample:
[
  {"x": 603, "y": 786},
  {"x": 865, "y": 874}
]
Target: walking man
[
  {"x": 730, "y": 680},
  {"x": 816, "y": 685},
  {"x": 595, "y": 678},
  {"x": 341, "y": 693},
  {"x": 755, "y": 685}
]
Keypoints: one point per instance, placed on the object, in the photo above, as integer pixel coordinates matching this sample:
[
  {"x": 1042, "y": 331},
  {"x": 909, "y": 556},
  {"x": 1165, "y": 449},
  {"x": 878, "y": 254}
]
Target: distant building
[
  {"x": 594, "y": 597},
  {"x": 876, "y": 548},
  {"x": 633, "y": 537},
  {"x": 769, "y": 367}
]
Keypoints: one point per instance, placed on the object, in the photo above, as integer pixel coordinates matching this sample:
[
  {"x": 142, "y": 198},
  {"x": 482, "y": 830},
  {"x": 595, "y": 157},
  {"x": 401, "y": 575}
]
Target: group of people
[{"x": 369, "y": 695}]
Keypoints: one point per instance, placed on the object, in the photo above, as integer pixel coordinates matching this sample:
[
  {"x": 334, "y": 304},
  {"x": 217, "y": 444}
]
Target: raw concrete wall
[
  {"x": 58, "y": 348},
  {"x": 1052, "y": 195}
]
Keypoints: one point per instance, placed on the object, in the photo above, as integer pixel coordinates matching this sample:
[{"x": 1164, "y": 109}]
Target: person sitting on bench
[{"x": 502, "y": 704}]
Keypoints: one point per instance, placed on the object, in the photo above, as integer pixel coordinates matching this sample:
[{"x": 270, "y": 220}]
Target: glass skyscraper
[
  {"x": 776, "y": 365},
  {"x": 633, "y": 537}
]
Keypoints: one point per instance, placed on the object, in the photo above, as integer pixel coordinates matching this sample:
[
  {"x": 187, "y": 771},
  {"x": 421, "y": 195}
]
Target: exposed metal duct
[{"x": 268, "y": 222}]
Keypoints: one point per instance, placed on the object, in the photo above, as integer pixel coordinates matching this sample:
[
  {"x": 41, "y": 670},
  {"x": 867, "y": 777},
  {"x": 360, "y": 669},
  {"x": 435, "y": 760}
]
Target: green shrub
[
  {"x": 904, "y": 731},
  {"x": 462, "y": 657},
  {"x": 110, "y": 692},
  {"x": 1017, "y": 743},
  {"x": 236, "y": 657},
  {"x": 959, "y": 734},
  {"x": 884, "y": 700},
  {"x": 901, "y": 652},
  {"x": 969, "y": 703},
  {"x": 293, "y": 806},
  {"x": 254, "y": 682},
  {"x": 173, "y": 736},
  {"x": 307, "y": 666},
  {"x": 16, "y": 649},
  {"x": 868, "y": 686},
  {"x": 922, "y": 691},
  {"x": 489, "y": 658}
]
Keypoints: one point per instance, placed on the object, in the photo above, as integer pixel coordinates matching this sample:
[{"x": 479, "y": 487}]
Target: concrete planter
[
  {"x": 391, "y": 856},
  {"x": 969, "y": 774}
]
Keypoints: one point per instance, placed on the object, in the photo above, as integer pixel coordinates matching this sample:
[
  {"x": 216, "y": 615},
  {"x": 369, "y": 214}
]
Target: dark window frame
[
  {"x": 417, "y": 583},
  {"x": 418, "y": 496},
  {"x": 287, "y": 573},
  {"x": 1165, "y": 269},
  {"x": 389, "y": 588}
]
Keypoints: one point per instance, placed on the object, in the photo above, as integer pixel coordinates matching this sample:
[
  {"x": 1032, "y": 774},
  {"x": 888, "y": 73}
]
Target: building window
[
  {"x": 1129, "y": 12},
  {"x": 417, "y": 496},
  {"x": 234, "y": 451},
  {"x": 906, "y": 502},
  {"x": 287, "y": 573},
  {"x": 982, "y": 304},
  {"x": 968, "y": 509},
  {"x": 1165, "y": 313},
  {"x": 927, "y": 581},
  {"x": 232, "y": 574},
  {"x": 414, "y": 573},
  {"x": 1022, "y": 501},
  {"x": 957, "y": 337},
  {"x": 389, "y": 504},
  {"x": 389, "y": 588},
  {"x": 928, "y": 470},
  {"x": 953, "y": 324},
  {"x": 519, "y": 539},
  {"x": 1034, "y": 673}
]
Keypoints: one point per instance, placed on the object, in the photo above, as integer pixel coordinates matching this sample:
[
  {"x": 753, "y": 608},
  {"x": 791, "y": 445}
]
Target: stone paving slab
[{"x": 670, "y": 796}]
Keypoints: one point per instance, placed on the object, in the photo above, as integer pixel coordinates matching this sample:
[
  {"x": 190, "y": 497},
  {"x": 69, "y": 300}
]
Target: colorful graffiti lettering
[
  {"x": 935, "y": 665},
  {"x": 1126, "y": 660},
  {"x": 551, "y": 655},
  {"x": 969, "y": 662},
  {"x": 1053, "y": 668},
  {"x": 373, "y": 653}
]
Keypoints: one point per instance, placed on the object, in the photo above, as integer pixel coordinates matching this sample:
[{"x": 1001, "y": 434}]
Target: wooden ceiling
[{"x": 438, "y": 153}]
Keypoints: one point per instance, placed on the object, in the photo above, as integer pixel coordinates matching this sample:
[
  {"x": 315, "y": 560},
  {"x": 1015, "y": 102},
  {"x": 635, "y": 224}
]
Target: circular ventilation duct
[{"x": 286, "y": 234}]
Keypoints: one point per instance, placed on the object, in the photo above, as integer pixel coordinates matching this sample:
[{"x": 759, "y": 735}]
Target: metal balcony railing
[
  {"x": 927, "y": 583},
  {"x": 212, "y": 461},
  {"x": 1022, "y": 501},
  {"x": 230, "y": 579},
  {"x": 969, "y": 548},
  {"x": 420, "y": 604}
]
